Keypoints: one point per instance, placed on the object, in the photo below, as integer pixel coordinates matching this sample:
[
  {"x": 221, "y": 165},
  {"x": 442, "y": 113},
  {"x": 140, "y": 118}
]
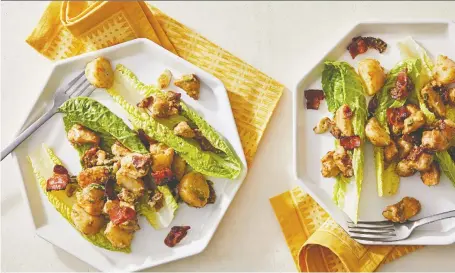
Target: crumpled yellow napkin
[
  {"x": 318, "y": 244},
  {"x": 71, "y": 28}
]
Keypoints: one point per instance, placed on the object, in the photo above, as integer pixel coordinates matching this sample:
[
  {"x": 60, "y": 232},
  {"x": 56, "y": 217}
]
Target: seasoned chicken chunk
[
  {"x": 134, "y": 185},
  {"x": 414, "y": 122},
  {"x": 343, "y": 161},
  {"x": 164, "y": 79},
  {"x": 97, "y": 175},
  {"x": 444, "y": 70},
  {"x": 118, "y": 237},
  {"x": 190, "y": 83},
  {"x": 99, "y": 73},
  {"x": 372, "y": 74},
  {"x": 420, "y": 160},
  {"x": 128, "y": 196},
  {"x": 184, "y": 130},
  {"x": 162, "y": 156},
  {"x": 404, "y": 147},
  {"x": 343, "y": 120},
  {"x": 433, "y": 100},
  {"x": 135, "y": 165},
  {"x": 323, "y": 126},
  {"x": 161, "y": 109},
  {"x": 84, "y": 222},
  {"x": 390, "y": 152},
  {"x": 377, "y": 135},
  {"x": 78, "y": 134},
  {"x": 94, "y": 157},
  {"x": 178, "y": 167},
  {"x": 91, "y": 199},
  {"x": 119, "y": 150},
  {"x": 405, "y": 168},
  {"x": 329, "y": 167},
  {"x": 435, "y": 140},
  {"x": 403, "y": 210},
  {"x": 432, "y": 176}
]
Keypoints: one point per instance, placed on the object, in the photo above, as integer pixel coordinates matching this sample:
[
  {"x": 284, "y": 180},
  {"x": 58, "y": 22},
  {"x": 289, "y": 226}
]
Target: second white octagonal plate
[
  {"x": 437, "y": 37},
  {"x": 147, "y": 60}
]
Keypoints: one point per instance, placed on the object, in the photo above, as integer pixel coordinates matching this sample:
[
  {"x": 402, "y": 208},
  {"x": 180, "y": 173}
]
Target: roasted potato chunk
[
  {"x": 97, "y": 175},
  {"x": 135, "y": 165},
  {"x": 91, "y": 199},
  {"x": 414, "y": 122},
  {"x": 194, "y": 190},
  {"x": 164, "y": 79},
  {"x": 329, "y": 167},
  {"x": 343, "y": 161},
  {"x": 323, "y": 126},
  {"x": 184, "y": 130},
  {"x": 390, "y": 152},
  {"x": 162, "y": 156},
  {"x": 377, "y": 135},
  {"x": 134, "y": 185},
  {"x": 444, "y": 70},
  {"x": 84, "y": 222},
  {"x": 432, "y": 176},
  {"x": 433, "y": 100},
  {"x": 99, "y": 73},
  {"x": 78, "y": 134},
  {"x": 402, "y": 211},
  {"x": 118, "y": 237},
  {"x": 372, "y": 74},
  {"x": 343, "y": 120},
  {"x": 178, "y": 167},
  {"x": 190, "y": 83}
]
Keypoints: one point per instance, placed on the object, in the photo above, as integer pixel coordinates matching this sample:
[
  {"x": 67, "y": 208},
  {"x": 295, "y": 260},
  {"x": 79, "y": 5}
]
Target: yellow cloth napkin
[
  {"x": 318, "y": 244},
  {"x": 71, "y": 28}
]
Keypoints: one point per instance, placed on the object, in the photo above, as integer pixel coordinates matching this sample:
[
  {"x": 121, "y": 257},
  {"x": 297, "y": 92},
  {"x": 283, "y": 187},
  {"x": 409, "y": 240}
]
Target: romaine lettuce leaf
[
  {"x": 164, "y": 216},
  {"x": 388, "y": 180},
  {"x": 97, "y": 117},
  {"x": 43, "y": 162},
  {"x": 447, "y": 165}
]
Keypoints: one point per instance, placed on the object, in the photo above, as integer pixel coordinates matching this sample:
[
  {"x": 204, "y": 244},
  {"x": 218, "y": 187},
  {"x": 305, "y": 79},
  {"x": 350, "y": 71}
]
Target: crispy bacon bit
[
  {"x": 163, "y": 176},
  {"x": 59, "y": 169},
  {"x": 212, "y": 195},
  {"x": 403, "y": 86},
  {"x": 443, "y": 91},
  {"x": 176, "y": 234},
  {"x": 313, "y": 98},
  {"x": 119, "y": 214},
  {"x": 414, "y": 137},
  {"x": 59, "y": 180},
  {"x": 396, "y": 116},
  {"x": 145, "y": 103},
  {"x": 347, "y": 112},
  {"x": 361, "y": 44},
  {"x": 141, "y": 161},
  {"x": 350, "y": 142},
  {"x": 372, "y": 106},
  {"x": 109, "y": 191}
]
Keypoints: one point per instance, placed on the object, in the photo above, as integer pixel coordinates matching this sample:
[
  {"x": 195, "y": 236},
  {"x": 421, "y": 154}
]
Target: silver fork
[
  {"x": 79, "y": 86},
  {"x": 366, "y": 232}
]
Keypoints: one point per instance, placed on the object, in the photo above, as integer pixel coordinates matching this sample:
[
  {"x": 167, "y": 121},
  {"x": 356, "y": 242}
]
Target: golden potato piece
[
  {"x": 162, "y": 156},
  {"x": 377, "y": 135},
  {"x": 97, "y": 175},
  {"x": 134, "y": 185},
  {"x": 194, "y": 190},
  {"x": 372, "y": 74},
  {"x": 444, "y": 70},
  {"x": 323, "y": 126},
  {"x": 190, "y": 83},
  {"x": 329, "y": 167},
  {"x": 91, "y": 199},
  {"x": 84, "y": 222},
  {"x": 118, "y": 237},
  {"x": 178, "y": 167},
  {"x": 99, "y": 73},
  {"x": 184, "y": 130},
  {"x": 432, "y": 176},
  {"x": 164, "y": 79},
  {"x": 135, "y": 165},
  {"x": 403, "y": 210},
  {"x": 78, "y": 134}
]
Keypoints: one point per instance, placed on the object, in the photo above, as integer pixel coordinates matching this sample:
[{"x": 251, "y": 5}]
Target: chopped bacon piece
[
  {"x": 443, "y": 91},
  {"x": 414, "y": 137},
  {"x": 163, "y": 176},
  {"x": 60, "y": 169},
  {"x": 396, "y": 116},
  {"x": 59, "y": 180},
  {"x": 313, "y": 98},
  {"x": 361, "y": 44},
  {"x": 109, "y": 191},
  {"x": 350, "y": 142},
  {"x": 176, "y": 234},
  {"x": 403, "y": 86},
  {"x": 372, "y": 106},
  {"x": 145, "y": 103},
  {"x": 347, "y": 112},
  {"x": 120, "y": 214}
]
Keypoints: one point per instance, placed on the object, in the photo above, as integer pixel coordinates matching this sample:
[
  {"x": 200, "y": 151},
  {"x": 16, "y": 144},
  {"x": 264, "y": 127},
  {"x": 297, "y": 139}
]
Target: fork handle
[
  {"x": 27, "y": 132},
  {"x": 434, "y": 218}
]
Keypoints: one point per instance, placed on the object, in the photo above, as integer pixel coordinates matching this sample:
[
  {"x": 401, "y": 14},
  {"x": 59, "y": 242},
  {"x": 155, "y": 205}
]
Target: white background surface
[{"x": 281, "y": 39}]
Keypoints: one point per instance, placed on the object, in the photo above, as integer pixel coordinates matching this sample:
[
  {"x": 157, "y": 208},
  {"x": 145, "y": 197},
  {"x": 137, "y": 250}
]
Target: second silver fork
[{"x": 77, "y": 87}]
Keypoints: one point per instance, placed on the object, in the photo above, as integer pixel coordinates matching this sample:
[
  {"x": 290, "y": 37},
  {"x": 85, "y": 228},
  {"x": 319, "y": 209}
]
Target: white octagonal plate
[
  {"x": 437, "y": 37},
  {"x": 147, "y": 60}
]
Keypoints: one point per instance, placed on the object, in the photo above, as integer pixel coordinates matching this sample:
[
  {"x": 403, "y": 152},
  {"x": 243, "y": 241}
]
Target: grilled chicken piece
[
  {"x": 329, "y": 167},
  {"x": 84, "y": 222},
  {"x": 323, "y": 126},
  {"x": 435, "y": 140},
  {"x": 377, "y": 135},
  {"x": 403, "y": 210},
  {"x": 135, "y": 165},
  {"x": 94, "y": 157},
  {"x": 444, "y": 70},
  {"x": 433, "y": 100},
  {"x": 119, "y": 150},
  {"x": 432, "y": 176},
  {"x": 390, "y": 152},
  {"x": 118, "y": 237},
  {"x": 190, "y": 83},
  {"x": 414, "y": 122},
  {"x": 184, "y": 130},
  {"x": 178, "y": 167},
  {"x": 372, "y": 74},
  {"x": 97, "y": 175},
  {"x": 91, "y": 199},
  {"x": 343, "y": 162},
  {"x": 343, "y": 120},
  {"x": 405, "y": 168},
  {"x": 162, "y": 156},
  {"x": 134, "y": 185},
  {"x": 78, "y": 134},
  {"x": 404, "y": 147},
  {"x": 99, "y": 73}
]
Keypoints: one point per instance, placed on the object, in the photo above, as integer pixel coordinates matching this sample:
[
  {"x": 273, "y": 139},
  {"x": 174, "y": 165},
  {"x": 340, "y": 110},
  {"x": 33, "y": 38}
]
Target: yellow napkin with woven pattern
[
  {"x": 318, "y": 244},
  {"x": 71, "y": 28}
]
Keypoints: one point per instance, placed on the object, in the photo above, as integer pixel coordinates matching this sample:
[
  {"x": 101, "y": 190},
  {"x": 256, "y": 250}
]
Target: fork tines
[{"x": 372, "y": 231}]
